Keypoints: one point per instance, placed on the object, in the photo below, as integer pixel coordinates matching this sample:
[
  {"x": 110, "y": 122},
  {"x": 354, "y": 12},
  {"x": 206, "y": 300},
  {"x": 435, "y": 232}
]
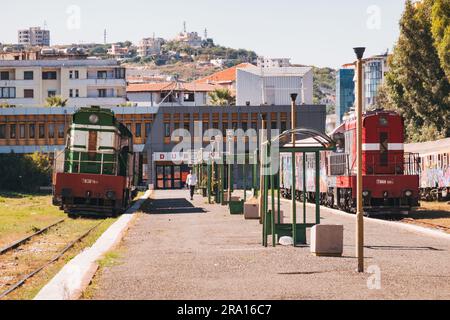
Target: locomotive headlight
[
  {"x": 408, "y": 193},
  {"x": 366, "y": 193},
  {"x": 385, "y": 194},
  {"x": 111, "y": 195},
  {"x": 93, "y": 118}
]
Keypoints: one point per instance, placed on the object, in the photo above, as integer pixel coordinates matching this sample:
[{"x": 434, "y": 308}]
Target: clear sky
[{"x": 319, "y": 32}]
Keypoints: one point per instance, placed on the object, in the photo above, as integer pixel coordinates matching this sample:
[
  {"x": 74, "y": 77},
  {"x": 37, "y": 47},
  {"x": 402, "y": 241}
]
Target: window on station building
[
  {"x": 283, "y": 126},
  {"x": 137, "y": 132},
  {"x": 31, "y": 131},
  {"x": 22, "y": 131},
  {"x": 255, "y": 125},
  {"x": 273, "y": 125},
  {"x": 224, "y": 128},
  {"x": 61, "y": 131},
  {"x": 147, "y": 129},
  {"x": 41, "y": 131},
  {"x": 245, "y": 126},
  {"x": 205, "y": 126},
  {"x": 51, "y": 130},
  {"x": 2, "y": 131},
  {"x": 187, "y": 126},
  {"x": 12, "y": 131},
  {"x": 166, "y": 129}
]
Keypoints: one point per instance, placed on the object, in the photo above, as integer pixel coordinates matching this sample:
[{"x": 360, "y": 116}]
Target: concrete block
[
  {"x": 327, "y": 240},
  {"x": 251, "y": 211}
]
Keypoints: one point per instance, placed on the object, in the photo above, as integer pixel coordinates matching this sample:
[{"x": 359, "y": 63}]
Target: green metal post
[
  {"x": 317, "y": 187},
  {"x": 208, "y": 168},
  {"x": 272, "y": 194},
  {"x": 294, "y": 204},
  {"x": 266, "y": 207},
  {"x": 221, "y": 172},
  {"x": 255, "y": 175},
  {"x": 304, "y": 187},
  {"x": 245, "y": 181},
  {"x": 279, "y": 198}
]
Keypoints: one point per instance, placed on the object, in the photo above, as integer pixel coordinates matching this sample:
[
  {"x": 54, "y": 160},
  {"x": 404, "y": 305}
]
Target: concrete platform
[{"x": 191, "y": 250}]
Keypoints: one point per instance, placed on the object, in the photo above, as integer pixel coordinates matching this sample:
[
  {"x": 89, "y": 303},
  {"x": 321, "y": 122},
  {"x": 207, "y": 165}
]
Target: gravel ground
[{"x": 191, "y": 250}]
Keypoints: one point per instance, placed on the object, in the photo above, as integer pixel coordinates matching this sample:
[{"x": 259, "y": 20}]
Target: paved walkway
[{"x": 191, "y": 250}]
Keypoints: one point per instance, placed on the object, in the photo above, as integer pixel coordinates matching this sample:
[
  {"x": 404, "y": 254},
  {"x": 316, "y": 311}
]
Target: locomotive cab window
[{"x": 384, "y": 156}]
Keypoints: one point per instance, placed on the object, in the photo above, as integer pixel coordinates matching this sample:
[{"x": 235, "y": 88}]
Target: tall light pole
[{"x": 359, "y": 188}]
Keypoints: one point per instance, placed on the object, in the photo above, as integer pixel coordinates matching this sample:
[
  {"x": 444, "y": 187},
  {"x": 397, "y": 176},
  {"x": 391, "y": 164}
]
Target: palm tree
[
  {"x": 55, "y": 101},
  {"x": 222, "y": 97}
]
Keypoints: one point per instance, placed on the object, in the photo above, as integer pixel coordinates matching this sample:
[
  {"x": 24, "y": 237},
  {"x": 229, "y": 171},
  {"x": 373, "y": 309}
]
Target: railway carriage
[
  {"x": 434, "y": 168},
  {"x": 390, "y": 176},
  {"x": 95, "y": 174}
]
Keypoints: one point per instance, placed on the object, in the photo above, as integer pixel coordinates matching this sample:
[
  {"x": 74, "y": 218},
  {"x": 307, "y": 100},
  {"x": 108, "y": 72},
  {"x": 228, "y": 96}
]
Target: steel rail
[
  {"x": 28, "y": 238},
  {"x": 54, "y": 259}
]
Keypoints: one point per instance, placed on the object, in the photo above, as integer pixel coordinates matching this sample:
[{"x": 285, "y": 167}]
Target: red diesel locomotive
[
  {"x": 95, "y": 174},
  {"x": 390, "y": 177}
]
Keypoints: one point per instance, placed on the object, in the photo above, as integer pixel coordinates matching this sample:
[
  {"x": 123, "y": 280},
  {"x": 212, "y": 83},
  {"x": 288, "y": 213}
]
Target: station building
[{"x": 29, "y": 130}]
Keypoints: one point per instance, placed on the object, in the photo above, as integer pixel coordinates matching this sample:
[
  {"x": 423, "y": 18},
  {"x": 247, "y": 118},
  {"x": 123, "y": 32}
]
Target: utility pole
[{"x": 359, "y": 188}]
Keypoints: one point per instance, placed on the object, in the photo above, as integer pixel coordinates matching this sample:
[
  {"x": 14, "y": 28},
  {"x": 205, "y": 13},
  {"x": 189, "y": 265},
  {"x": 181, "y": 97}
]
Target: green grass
[
  {"x": 110, "y": 259},
  {"x": 22, "y": 214}
]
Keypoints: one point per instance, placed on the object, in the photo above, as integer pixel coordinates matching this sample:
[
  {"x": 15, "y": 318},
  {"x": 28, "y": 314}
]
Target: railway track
[
  {"x": 20, "y": 242},
  {"x": 69, "y": 245},
  {"x": 409, "y": 220}
]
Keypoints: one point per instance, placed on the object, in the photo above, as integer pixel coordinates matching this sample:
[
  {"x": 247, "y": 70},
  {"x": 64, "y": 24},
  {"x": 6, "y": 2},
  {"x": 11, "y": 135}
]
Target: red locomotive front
[{"x": 390, "y": 183}]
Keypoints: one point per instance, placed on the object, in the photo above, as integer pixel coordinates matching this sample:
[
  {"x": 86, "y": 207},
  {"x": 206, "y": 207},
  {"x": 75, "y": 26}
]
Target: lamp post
[
  {"x": 262, "y": 139},
  {"x": 359, "y": 188}
]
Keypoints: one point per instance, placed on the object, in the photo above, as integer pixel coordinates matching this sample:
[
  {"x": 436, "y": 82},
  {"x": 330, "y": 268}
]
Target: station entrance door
[{"x": 170, "y": 176}]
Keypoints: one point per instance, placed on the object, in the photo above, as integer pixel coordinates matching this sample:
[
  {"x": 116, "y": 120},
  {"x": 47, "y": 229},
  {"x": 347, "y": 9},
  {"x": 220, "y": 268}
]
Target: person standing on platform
[{"x": 191, "y": 182}]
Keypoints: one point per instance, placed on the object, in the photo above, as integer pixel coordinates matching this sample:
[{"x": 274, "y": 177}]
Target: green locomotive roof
[{"x": 105, "y": 118}]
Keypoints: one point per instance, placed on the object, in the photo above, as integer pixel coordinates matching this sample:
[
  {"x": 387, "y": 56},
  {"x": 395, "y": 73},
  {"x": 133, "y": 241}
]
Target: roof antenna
[{"x": 104, "y": 36}]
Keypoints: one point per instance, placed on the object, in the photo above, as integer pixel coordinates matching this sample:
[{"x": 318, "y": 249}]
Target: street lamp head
[
  {"x": 359, "y": 51},
  {"x": 294, "y": 97}
]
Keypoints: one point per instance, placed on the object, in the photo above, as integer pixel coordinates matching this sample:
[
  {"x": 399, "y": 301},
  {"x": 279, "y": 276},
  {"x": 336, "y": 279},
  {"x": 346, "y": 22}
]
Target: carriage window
[{"x": 384, "y": 157}]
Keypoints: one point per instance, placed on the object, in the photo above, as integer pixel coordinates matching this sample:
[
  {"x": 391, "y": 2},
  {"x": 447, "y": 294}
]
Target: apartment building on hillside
[
  {"x": 28, "y": 83},
  {"x": 150, "y": 46},
  {"x": 34, "y": 36},
  {"x": 264, "y": 62}
]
